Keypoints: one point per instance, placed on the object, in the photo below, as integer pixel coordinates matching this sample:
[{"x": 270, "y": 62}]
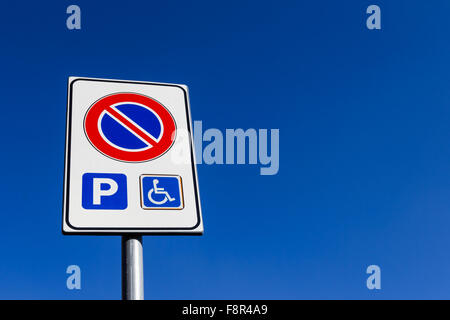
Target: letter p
[{"x": 97, "y": 191}]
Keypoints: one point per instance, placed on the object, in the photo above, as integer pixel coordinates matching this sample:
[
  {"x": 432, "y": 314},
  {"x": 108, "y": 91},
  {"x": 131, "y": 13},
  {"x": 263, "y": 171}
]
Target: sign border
[{"x": 127, "y": 230}]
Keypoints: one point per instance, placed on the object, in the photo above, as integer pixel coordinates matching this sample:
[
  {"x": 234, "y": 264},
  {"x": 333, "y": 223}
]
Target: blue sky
[{"x": 364, "y": 155}]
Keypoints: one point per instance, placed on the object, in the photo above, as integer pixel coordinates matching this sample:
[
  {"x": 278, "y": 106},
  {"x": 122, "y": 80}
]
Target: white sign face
[{"x": 130, "y": 163}]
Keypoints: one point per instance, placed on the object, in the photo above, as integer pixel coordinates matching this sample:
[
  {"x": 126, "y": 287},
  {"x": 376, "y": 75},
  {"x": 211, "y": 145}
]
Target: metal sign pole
[{"x": 132, "y": 268}]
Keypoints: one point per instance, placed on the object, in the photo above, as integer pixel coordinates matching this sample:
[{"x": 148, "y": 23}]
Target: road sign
[{"x": 130, "y": 165}]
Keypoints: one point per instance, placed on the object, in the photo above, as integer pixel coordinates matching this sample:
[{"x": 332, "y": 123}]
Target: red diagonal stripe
[{"x": 130, "y": 126}]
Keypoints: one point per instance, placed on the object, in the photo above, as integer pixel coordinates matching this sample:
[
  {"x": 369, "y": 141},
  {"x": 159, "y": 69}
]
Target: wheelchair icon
[{"x": 160, "y": 191}]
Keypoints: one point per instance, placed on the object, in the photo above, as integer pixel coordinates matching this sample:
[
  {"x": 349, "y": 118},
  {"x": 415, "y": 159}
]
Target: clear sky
[{"x": 364, "y": 146}]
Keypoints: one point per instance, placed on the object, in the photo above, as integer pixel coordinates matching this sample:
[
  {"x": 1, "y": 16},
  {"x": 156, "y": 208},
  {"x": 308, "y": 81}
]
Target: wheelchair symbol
[
  {"x": 156, "y": 190},
  {"x": 161, "y": 192}
]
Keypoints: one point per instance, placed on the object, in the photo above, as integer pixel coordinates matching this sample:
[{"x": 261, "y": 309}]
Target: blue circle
[{"x": 120, "y": 136}]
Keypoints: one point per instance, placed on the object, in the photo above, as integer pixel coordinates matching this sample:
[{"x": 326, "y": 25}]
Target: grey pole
[{"x": 132, "y": 268}]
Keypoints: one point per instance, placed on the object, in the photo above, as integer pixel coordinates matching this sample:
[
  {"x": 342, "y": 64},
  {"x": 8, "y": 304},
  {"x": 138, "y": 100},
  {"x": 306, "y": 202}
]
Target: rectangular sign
[{"x": 129, "y": 161}]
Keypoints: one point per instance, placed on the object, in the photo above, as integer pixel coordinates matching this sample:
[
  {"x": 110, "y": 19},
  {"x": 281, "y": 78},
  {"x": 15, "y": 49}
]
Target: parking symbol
[
  {"x": 104, "y": 191},
  {"x": 161, "y": 192}
]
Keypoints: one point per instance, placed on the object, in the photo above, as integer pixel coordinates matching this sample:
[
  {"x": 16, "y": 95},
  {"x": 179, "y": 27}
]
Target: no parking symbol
[{"x": 130, "y": 127}]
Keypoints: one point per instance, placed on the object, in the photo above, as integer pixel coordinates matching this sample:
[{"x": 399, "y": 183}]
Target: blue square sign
[
  {"x": 161, "y": 192},
  {"x": 104, "y": 191}
]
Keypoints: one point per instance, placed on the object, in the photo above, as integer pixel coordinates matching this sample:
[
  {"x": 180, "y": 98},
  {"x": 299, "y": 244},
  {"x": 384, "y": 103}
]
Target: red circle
[{"x": 92, "y": 131}]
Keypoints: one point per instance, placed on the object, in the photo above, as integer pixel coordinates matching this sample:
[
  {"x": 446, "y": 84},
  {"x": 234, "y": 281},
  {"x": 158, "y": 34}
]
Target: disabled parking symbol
[{"x": 161, "y": 192}]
